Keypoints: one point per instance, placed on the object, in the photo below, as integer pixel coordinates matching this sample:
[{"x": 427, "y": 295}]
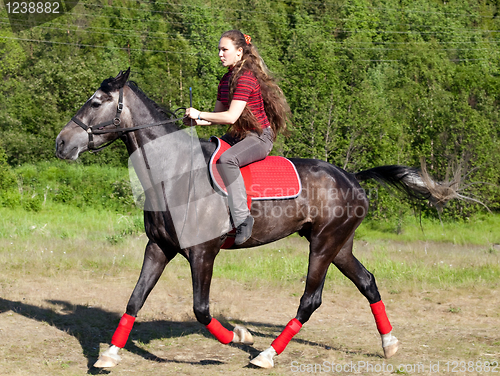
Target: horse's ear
[{"x": 122, "y": 78}]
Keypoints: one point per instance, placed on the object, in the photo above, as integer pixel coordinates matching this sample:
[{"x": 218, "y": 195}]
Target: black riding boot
[{"x": 244, "y": 231}]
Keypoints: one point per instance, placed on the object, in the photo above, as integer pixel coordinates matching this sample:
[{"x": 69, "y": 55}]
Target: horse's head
[{"x": 102, "y": 111}]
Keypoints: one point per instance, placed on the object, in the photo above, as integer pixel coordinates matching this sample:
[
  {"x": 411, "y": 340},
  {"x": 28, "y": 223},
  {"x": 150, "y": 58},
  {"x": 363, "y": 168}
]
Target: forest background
[{"x": 369, "y": 83}]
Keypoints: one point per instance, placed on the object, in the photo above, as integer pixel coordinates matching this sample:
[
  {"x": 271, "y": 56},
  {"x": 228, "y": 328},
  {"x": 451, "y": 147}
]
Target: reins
[
  {"x": 98, "y": 129},
  {"x": 191, "y": 130}
]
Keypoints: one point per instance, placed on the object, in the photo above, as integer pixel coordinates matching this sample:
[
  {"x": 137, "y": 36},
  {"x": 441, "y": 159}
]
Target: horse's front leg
[
  {"x": 155, "y": 260},
  {"x": 201, "y": 259}
]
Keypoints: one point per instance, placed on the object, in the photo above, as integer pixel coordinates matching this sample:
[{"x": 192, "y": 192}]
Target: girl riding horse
[{"x": 249, "y": 99}]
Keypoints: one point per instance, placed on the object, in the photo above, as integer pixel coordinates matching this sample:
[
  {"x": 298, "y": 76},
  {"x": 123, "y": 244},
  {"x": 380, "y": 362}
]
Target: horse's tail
[{"x": 415, "y": 183}]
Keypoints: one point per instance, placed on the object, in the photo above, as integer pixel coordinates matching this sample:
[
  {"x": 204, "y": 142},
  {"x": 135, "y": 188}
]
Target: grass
[
  {"x": 59, "y": 221},
  {"x": 62, "y": 238},
  {"x": 404, "y": 267},
  {"x": 482, "y": 229}
]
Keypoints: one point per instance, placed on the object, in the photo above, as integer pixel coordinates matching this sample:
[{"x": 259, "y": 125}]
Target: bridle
[{"x": 99, "y": 128}]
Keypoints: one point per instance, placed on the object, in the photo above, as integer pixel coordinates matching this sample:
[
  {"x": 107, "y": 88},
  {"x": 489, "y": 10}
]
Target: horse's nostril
[{"x": 59, "y": 145}]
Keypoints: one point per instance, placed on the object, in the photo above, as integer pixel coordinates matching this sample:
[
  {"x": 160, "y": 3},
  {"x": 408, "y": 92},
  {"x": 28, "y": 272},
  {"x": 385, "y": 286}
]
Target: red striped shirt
[{"x": 247, "y": 90}]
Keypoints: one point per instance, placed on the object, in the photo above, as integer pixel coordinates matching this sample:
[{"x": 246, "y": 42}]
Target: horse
[{"x": 120, "y": 110}]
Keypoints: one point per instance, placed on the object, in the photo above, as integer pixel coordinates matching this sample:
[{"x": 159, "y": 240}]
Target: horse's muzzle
[{"x": 65, "y": 150}]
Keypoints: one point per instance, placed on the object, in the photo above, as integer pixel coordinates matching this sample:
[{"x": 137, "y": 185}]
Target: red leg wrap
[
  {"x": 292, "y": 328},
  {"x": 222, "y": 334},
  {"x": 122, "y": 332},
  {"x": 383, "y": 324}
]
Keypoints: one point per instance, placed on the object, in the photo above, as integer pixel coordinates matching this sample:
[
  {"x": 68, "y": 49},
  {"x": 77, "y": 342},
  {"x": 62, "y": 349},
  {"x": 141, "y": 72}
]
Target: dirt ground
[{"x": 58, "y": 326}]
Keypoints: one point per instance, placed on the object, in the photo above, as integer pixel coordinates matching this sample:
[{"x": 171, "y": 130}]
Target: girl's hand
[
  {"x": 188, "y": 121},
  {"x": 192, "y": 113},
  {"x": 192, "y": 122}
]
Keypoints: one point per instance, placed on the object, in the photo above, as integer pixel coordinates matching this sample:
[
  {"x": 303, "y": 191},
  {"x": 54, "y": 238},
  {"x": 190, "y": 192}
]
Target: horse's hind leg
[
  {"x": 365, "y": 282},
  {"x": 321, "y": 256},
  {"x": 153, "y": 265}
]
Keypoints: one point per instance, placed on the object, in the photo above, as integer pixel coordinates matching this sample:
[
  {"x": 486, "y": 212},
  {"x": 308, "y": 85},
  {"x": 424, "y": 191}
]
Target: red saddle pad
[{"x": 269, "y": 179}]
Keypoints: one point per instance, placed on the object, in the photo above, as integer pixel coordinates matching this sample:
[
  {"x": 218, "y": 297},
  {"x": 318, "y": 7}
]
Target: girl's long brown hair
[{"x": 275, "y": 105}]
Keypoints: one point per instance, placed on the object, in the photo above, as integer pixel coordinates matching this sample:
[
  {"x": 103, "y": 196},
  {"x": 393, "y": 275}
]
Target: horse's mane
[
  {"x": 151, "y": 104},
  {"x": 111, "y": 84}
]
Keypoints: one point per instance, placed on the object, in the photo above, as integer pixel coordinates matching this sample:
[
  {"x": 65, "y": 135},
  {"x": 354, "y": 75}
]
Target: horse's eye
[{"x": 95, "y": 104}]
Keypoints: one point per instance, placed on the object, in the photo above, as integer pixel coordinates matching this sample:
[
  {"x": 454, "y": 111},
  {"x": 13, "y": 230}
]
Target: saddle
[{"x": 273, "y": 178}]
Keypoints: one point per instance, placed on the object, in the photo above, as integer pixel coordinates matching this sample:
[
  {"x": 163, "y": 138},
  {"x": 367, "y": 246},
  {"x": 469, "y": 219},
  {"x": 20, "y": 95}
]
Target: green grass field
[
  {"x": 64, "y": 238},
  {"x": 481, "y": 229}
]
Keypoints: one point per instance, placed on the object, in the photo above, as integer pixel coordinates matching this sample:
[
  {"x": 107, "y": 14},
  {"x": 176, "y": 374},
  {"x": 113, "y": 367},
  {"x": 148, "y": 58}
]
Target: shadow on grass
[{"x": 92, "y": 326}]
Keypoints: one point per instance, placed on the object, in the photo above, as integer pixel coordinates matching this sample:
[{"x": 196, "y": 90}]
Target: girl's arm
[{"x": 220, "y": 114}]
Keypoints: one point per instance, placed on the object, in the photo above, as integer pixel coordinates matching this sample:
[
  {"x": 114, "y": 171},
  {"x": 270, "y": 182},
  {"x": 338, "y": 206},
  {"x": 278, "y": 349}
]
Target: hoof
[
  {"x": 262, "y": 362},
  {"x": 109, "y": 358},
  {"x": 242, "y": 336},
  {"x": 264, "y": 359},
  {"x": 391, "y": 349},
  {"x": 106, "y": 362},
  {"x": 390, "y": 344}
]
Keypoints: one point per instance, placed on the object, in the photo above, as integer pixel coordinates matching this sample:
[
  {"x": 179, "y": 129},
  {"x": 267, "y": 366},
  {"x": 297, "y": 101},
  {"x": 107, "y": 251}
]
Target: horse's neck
[
  {"x": 161, "y": 136},
  {"x": 142, "y": 114},
  {"x": 167, "y": 160}
]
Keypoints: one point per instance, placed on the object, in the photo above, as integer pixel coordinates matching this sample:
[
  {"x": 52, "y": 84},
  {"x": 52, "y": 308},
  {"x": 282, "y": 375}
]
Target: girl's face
[{"x": 228, "y": 53}]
